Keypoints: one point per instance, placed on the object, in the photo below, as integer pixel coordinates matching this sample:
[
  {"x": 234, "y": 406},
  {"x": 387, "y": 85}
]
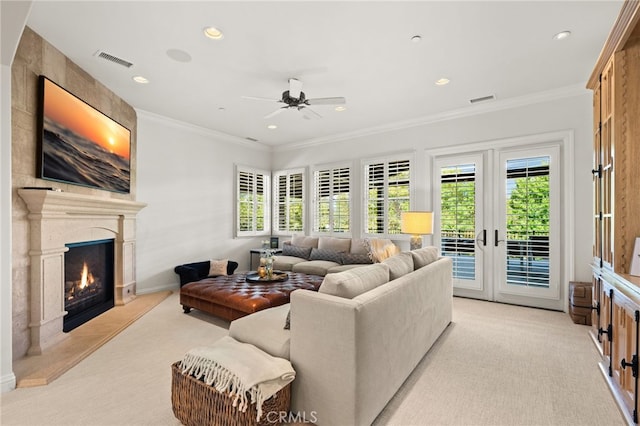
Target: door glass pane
[
  {"x": 528, "y": 222},
  {"x": 458, "y": 217}
]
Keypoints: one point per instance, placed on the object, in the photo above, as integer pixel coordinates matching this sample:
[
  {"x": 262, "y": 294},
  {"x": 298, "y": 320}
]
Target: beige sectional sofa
[
  {"x": 355, "y": 341},
  {"x": 323, "y": 255}
]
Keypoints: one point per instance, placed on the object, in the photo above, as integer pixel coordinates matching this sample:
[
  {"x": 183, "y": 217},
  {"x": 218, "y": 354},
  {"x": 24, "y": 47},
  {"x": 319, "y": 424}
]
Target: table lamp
[{"x": 417, "y": 224}]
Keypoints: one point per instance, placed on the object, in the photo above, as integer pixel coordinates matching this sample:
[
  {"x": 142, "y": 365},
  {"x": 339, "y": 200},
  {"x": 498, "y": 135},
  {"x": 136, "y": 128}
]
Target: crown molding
[
  {"x": 468, "y": 111},
  {"x": 203, "y": 131},
  {"x": 623, "y": 27}
]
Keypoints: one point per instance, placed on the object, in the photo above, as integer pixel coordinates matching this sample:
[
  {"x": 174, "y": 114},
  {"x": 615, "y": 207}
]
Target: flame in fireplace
[{"x": 87, "y": 277}]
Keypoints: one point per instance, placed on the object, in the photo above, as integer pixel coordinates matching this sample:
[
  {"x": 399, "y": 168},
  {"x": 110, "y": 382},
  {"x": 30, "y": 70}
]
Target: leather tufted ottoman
[{"x": 231, "y": 297}]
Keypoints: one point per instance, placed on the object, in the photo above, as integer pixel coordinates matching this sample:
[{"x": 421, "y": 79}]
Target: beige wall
[{"x": 36, "y": 57}]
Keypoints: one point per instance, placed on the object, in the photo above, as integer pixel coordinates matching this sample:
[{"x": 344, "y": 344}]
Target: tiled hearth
[{"x": 60, "y": 218}]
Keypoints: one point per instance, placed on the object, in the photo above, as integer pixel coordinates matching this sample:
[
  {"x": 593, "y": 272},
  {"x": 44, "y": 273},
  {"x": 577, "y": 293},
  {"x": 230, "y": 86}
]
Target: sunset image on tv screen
[{"x": 80, "y": 144}]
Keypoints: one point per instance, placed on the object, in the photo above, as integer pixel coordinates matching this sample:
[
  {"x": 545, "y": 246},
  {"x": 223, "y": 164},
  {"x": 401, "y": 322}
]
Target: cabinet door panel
[
  {"x": 624, "y": 356},
  {"x": 596, "y": 317}
]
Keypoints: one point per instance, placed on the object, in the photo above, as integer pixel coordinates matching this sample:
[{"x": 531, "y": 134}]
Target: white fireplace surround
[{"x": 60, "y": 218}]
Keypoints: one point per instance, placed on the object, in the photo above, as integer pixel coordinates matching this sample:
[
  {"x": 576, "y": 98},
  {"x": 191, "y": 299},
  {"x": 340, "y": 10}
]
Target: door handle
[
  {"x": 483, "y": 239},
  {"x": 495, "y": 239}
]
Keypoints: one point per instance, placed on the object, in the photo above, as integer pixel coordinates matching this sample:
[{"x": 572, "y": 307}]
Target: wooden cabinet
[
  {"x": 615, "y": 82},
  {"x": 615, "y": 333}
]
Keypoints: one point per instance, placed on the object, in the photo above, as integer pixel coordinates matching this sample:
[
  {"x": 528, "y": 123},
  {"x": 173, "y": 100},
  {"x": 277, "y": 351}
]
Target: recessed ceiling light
[
  {"x": 340, "y": 108},
  {"x": 272, "y": 127},
  {"x": 213, "y": 33},
  {"x": 442, "y": 81},
  {"x": 416, "y": 39},
  {"x": 140, "y": 79},
  {"x": 562, "y": 35}
]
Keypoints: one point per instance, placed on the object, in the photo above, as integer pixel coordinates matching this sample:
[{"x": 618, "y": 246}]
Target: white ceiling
[{"x": 359, "y": 50}]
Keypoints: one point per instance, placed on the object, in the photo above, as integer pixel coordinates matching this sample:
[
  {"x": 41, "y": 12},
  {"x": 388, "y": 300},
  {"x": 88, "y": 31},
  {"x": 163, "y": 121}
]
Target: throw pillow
[
  {"x": 354, "y": 282},
  {"x": 287, "y": 322},
  {"x": 218, "y": 268},
  {"x": 295, "y": 251},
  {"x": 321, "y": 254},
  {"x": 354, "y": 258}
]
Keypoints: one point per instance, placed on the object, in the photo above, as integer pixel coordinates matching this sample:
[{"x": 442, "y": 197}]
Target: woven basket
[{"x": 197, "y": 404}]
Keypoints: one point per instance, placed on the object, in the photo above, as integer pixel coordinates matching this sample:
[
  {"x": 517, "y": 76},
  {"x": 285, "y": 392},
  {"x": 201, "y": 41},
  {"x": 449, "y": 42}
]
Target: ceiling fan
[{"x": 295, "y": 98}]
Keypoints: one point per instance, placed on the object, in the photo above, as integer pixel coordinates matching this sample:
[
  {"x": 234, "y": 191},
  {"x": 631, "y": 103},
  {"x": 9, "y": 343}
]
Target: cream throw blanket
[
  {"x": 241, "y": 369},
  {"x": 381, "y": 248}
]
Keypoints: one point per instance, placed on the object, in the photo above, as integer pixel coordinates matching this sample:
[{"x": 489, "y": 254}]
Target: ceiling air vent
[
  {"x": 482, "y": 99},
  {"x": 251, "y": 139},
  {"x": 114, "y": 59}
]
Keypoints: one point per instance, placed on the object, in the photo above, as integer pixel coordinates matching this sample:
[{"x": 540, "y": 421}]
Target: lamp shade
[{"x": 416, "y": 223}]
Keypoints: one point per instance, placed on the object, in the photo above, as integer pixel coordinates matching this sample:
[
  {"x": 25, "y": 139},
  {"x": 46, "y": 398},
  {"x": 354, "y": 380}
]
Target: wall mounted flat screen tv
[{"x": 80, "y": 145}]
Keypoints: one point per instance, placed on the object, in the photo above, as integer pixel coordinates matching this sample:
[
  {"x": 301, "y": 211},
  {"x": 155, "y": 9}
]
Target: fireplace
[
  {"x": 88, "y": 281},
  {"x": 57, "y": 220}
]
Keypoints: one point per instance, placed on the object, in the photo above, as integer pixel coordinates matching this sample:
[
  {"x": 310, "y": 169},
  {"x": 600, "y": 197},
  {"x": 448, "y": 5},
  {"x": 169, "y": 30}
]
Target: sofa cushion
[
  {"x": 325, "y": 254},
  {"x": 354, "y": 258},
  {"x": 399, "y": 265},
  {"x": 351, "y": 283},
  {"x": 424, "y": 256},
  {"x": 314, "y": 267},
  {"x": 359, "y": 246},
  {"x": 303, "y": 241},
  {"x": 341, "y": 268},
  {"x": 264, "y": 329},
  {"x": 286, "y": 263},
  {"x": 335, "y": 244},
  {"x": 296, "y": 251},
  {"x": 218, "y": 267}
]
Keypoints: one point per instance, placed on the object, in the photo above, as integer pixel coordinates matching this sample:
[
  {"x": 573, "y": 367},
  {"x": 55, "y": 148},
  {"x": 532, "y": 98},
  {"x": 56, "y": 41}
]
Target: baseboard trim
[
  {"x": 166, "y": 287},
  {"x": 8, "y": 382}
]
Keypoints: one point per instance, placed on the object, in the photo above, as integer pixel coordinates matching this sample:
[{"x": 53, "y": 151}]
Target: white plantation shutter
[
  {"x": 527, "y": 230},
  {"x": 457, "y": 217},
  {"x": 252, "y": 202},
  {"x": 332, "y": 200},
  {"x": 288, "y": 193},
  {"x": 387, "y": 195}
]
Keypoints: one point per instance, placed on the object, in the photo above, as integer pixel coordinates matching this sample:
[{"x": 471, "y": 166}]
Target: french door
[{"x": 498, "y": 220}]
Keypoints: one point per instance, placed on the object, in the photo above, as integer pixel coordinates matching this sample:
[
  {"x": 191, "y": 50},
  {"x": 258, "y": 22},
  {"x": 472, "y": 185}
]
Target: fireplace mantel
[
  {"x": 60, "y": 218},
  {"x": 44, "y": 201}
]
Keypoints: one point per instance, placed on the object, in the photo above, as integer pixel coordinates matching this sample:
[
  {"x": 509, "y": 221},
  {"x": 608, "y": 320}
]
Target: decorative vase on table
[{"x": 266, "y": 259}]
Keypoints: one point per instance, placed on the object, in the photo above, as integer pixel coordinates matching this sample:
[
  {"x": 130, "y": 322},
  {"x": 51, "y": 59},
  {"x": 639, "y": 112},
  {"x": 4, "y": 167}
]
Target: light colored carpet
[
  {"x": 83, "y": 341},
  {"x": 495, "y": 365}
]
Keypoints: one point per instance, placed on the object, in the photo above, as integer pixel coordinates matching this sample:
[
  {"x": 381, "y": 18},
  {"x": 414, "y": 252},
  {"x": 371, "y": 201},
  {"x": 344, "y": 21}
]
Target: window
[
  {"x": 458, "y": 218},
  {"x": 253, "y": 202},
  {"x": 288, "y": 196},
  {"x": 387, "y": 195},
  {"x": 332, "y": 202}
]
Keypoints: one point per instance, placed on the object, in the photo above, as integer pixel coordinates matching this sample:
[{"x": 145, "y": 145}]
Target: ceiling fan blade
[
  {"x": 308, "y": 113},
  {"x": 295, "y": 87},
  {"x": 326, "y": 101},
  {"x": 255, "y": 98},
  {"x": 276, "y": 112}
]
